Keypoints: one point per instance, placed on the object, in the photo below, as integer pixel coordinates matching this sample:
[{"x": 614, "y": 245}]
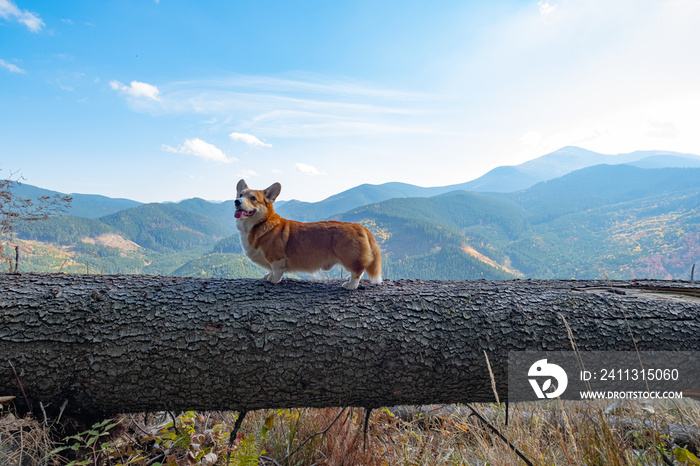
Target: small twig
[
  {"x": 134, "y": 422},
  {"x": 21, "y": 446},
  {"x": 493, "y": 379},
  {"x": 269, "y": 460},
  {"x": 102, "y": 272},
  {"x": 500, "y": 435},
  {"x": 46, "y": 420},
  {"x": 177, "y": 431},
  {"x": 62, "y": 265},
  {"x": 234, "y": 432},
  {"x": 368, "y": 411},
  {"x": 17, "y": 259},
  {"x": 347, "y": 417},
  {"x": 156, "y": 458},
  {"x": 321, "y": 432},
  {"x": 60, "y": 412},
  {"x": 21, "y": 388}
]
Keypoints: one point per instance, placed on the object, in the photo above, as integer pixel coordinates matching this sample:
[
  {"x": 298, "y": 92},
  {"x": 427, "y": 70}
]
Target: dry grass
[
  {"x": 546, "y": 433},
  {"x": 554, "y": 433},
  {"x": 23, "y": 441}
]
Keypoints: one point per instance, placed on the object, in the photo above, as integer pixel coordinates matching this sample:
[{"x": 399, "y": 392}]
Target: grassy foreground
[{"x": 553, "y": 433}]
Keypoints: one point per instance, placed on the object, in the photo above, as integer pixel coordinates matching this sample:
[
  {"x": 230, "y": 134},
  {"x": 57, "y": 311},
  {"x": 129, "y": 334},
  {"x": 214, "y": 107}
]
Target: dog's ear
[
  {"x": 273, "y": 191},
  {"x": 240, "y": 187}
]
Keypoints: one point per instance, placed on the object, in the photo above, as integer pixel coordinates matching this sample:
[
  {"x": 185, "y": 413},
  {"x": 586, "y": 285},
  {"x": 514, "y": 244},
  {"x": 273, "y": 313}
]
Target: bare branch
[{"x": 16, "y": 212}]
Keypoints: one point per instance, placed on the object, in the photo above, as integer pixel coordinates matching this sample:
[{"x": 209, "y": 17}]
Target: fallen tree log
[{"x": 98, "y": 345}]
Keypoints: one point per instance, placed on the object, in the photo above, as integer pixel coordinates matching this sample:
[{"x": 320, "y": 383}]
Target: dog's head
[{"x": 254, "y": 204}]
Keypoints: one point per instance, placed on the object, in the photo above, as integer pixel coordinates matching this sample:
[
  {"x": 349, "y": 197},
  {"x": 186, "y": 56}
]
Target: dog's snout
[{"x": 237, "y": 202}]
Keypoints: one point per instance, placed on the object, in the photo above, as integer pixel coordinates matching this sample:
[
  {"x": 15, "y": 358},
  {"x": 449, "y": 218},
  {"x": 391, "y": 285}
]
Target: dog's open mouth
[{"x": 243, "y": 213}]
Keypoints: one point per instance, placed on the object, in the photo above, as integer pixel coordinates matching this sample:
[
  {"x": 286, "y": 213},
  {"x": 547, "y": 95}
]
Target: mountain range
[
  {"x": 563, "y": 215},
  {"x": 503, "y": 179},
  {"x": 83, "y": 205}
]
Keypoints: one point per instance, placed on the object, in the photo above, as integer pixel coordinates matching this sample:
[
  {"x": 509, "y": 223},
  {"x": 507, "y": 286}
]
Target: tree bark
[{"x": 112, "y": 344}]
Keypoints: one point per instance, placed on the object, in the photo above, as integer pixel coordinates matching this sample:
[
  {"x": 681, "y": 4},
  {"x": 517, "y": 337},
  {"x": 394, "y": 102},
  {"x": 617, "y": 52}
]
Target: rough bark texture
[{"x": 108, "y": 344}]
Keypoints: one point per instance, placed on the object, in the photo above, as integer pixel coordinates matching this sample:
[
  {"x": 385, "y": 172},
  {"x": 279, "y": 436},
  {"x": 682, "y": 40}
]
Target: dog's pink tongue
[{"x": 238, "y": 213}]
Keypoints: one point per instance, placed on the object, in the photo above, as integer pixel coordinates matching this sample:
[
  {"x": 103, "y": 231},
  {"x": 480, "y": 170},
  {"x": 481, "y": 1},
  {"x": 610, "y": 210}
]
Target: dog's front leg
[
  {"x": 258, "y": 258},
  {"x": 265, "y": 265},
  {"x": 278, "y": 269}
]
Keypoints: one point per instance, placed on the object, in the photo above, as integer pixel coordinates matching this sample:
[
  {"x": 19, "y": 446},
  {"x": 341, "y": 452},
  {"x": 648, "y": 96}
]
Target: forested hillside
[
  {"x": 619, "y": 221},
  {"x": 616, "y": 221}
]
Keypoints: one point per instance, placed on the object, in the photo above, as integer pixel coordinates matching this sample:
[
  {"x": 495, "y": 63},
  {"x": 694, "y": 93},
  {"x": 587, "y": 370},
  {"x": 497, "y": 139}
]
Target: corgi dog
[{"x": 280, "y": 245}]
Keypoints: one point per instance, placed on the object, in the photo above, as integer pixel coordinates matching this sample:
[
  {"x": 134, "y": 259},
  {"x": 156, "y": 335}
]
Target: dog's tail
[{"x": 374, "y": 268}]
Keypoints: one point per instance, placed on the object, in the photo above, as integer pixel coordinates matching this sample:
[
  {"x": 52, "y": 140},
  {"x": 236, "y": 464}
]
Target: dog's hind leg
[{"x": 354, "y": 281}]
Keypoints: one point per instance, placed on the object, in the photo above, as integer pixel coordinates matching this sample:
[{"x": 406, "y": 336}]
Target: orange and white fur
[{"x": 280, "y": 245}]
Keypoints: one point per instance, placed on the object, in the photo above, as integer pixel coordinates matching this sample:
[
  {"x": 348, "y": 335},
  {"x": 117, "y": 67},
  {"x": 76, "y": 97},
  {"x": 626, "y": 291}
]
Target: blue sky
[{"x": 171, "y": 99}]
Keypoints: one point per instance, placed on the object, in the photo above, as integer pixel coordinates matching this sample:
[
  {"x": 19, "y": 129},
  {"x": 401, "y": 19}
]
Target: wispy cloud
[
  {"x": 247, "y": 173},
  {"x": 546, "y": 9},
  {"x": 304, "y": 169},
  {"x": 10, "y": 67},
  {"x": 202, "y": 149},
  {"x": 10, "y": 11},
  {"x": 662, "y": 129},
  {"x": 306, "y": 84},
  {"x": 136, "y": 89},
  {"x": 249, "y": 139},
  {"x": 305, "y": 107}
]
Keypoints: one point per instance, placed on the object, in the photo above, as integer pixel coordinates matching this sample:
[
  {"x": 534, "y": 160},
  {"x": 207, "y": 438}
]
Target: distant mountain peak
[{"x": 566, "y": 160}]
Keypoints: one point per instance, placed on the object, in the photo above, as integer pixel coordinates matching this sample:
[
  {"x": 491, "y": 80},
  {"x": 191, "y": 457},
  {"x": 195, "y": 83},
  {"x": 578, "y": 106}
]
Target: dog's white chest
[{"x": 253, "y": 254}]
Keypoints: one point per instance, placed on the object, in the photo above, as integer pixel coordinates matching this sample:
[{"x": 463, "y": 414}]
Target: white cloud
[
  {"x": 136, "y": 89},
  {"x": 202, "y": 149},
  {"x": 304, "y": 169},
  {"x": 661, "y": 129},
  {"x": 249, "y": 139},
  {"x": 10, "y": 11},
  {"x": 546, "y": 8},
  {"x": 9, "y": 66},
  {"x": 247, "y": 173},
  {"x": 668, "y": 123}
]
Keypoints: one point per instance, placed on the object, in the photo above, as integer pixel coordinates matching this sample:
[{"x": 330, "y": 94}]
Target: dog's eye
[{"x": 252, "y": 198}]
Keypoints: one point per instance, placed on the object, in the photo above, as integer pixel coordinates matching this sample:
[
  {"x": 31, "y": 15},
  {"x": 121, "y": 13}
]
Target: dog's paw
[{"x": 351, "y": 285}]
